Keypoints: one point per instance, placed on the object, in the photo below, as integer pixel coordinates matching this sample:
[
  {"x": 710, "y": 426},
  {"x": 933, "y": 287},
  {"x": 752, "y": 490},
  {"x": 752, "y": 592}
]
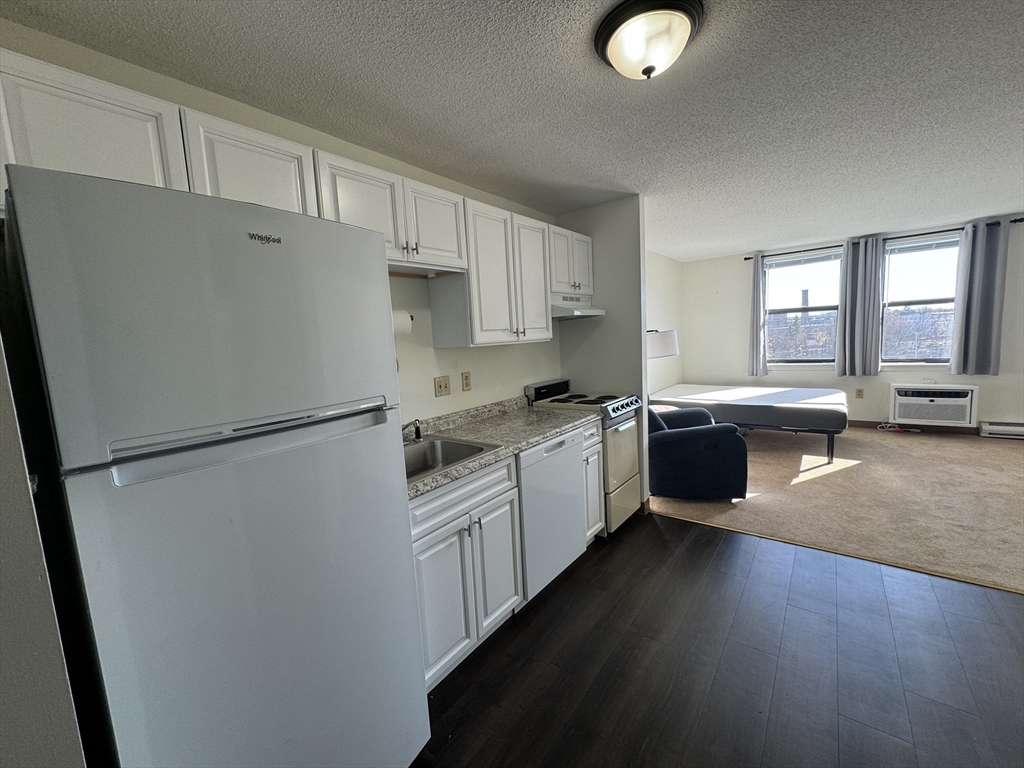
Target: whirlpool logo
[{"x": 264, "y": 239}]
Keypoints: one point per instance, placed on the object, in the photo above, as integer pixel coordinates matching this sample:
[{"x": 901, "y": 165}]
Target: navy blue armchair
[{"x": 692, "y": 457}]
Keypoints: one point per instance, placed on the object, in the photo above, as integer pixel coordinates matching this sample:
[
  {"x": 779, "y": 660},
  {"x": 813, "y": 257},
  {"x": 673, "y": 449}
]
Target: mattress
[{"x": 817, "y": 410}]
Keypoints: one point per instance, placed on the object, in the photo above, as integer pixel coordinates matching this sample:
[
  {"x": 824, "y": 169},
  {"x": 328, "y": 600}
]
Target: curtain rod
[
  {"x": 898, "y": 237},
  {"x": 805, "y": 250}
]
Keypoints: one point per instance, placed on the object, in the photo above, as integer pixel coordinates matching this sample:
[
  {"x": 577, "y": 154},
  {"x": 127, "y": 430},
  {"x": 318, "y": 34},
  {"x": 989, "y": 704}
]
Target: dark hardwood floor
[{"x": 676, "y": 644}]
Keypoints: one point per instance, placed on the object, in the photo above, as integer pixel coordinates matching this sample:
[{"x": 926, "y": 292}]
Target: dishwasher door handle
[{"x": 556, "y": 447}]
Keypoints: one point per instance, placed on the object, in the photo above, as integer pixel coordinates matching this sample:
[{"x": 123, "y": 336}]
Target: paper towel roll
[{"x": 403, "y": 322}]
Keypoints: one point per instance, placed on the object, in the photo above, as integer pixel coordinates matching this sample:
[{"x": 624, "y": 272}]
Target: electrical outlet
[
  {"x": 467, "y": 383},
  {"x": 858, "y": 393},
  {"x": 442, "y": 386}
]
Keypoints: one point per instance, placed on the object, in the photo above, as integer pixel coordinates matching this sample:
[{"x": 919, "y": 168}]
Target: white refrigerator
[{"x": 222, "y": 392}]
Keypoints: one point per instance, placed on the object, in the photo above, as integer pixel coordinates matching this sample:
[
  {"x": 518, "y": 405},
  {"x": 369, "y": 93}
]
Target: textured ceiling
[{"x": 785, "y": 122}]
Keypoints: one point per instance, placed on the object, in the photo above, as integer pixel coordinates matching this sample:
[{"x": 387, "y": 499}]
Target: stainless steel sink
[{"x": 433, "y": 454}]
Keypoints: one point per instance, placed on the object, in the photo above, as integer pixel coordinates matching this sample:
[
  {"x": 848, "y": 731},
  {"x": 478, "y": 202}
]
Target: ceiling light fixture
[{"x": 641, "y": 38}]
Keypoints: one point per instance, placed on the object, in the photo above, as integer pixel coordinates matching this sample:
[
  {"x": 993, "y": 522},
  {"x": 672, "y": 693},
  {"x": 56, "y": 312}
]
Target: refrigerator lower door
[{"x": 261, "y": 611}]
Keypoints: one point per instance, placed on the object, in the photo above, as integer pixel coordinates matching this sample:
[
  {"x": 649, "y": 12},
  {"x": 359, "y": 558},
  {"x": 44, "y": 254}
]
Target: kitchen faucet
[{"x": 415, "y": 423}]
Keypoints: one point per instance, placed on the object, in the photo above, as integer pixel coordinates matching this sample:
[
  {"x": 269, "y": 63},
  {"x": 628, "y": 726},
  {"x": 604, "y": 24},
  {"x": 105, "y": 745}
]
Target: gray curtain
[
  {"x": 757, "y": 363},
  {"x": 980, "y": 288},
  {"x": 859, "y": 326}
]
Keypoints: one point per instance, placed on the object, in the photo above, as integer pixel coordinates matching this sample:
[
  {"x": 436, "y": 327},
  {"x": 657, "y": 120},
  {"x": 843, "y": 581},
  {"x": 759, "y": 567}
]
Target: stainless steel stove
[{"x": 619, "y": 437}]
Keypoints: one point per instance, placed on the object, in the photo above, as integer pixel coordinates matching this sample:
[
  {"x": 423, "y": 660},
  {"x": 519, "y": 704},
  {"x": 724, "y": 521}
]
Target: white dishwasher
[{"x": 552, "y": 487}]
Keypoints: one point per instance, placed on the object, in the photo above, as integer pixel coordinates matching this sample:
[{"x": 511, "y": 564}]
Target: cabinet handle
[
  {"x": 405, "y": 248},
  {"x": 478, "y": 522},
  {"x": 469, "y": 530},
  {"x": 416, "y": 248}
]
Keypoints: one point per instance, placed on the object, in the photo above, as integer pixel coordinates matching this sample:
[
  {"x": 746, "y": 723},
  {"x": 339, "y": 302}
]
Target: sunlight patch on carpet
[
  {"x": 812, "y": 467},
  {"x": 748, "y": 496}
]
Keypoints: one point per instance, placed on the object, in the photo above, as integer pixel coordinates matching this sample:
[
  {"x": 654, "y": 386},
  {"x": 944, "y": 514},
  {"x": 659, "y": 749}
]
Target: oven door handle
[{"x": 627, "y": 425}]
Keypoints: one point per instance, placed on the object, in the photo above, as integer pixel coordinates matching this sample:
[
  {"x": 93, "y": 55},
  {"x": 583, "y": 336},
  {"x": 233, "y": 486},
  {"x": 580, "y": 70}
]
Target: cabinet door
[
  {"x": 583, "y": 264},
  {"x": 366, "y": 197},
  {"x": 444, "y": 584},
  {"x": 232, "y": 161},
  {"x": 530, "y": 242},
  {"x": 592, "y": 461},
  {"x": 561, "y": 261},
  {"x": 54, "y": 118},
  {"x": 434, "y": 221},
  {"x": 496, "y": 555},
  {"x": 491, "y": 279}
]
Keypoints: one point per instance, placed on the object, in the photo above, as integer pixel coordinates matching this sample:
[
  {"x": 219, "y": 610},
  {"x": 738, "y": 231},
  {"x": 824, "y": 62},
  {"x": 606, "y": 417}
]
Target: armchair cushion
[{"x": 701, "y": 460}]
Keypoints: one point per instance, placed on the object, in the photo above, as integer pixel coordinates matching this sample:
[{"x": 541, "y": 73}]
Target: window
[
  {"x": 917, "y": 299},
  {"x": 802, "y": 307}
]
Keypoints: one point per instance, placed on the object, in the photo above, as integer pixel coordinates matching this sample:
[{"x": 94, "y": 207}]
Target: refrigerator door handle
[
  {"x": 139, "y": 447},
  {"x": 152, "y": 467}
]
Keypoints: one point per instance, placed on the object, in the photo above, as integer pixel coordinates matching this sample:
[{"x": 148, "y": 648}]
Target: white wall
[
  {"x": 664, "y": 313},
  {"x": 716, "y": 311},
  {"x": 607, "y": 353},
  {"x": 497, "y": 373},
  {"x": 37, "y": 718}
]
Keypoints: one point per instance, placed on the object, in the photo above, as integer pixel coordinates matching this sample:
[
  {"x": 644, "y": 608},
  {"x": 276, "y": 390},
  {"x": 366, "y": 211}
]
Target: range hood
[{"x": 567, "y": 307}]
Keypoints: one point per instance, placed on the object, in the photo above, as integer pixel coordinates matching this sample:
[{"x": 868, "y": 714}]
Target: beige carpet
[{"x": 950, "y": 505}]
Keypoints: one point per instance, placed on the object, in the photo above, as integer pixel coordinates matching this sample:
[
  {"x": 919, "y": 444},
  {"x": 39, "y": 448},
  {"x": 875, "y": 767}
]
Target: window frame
[
  {"x": 931, "y": 241},
  {"x": 826, "y": 253}
]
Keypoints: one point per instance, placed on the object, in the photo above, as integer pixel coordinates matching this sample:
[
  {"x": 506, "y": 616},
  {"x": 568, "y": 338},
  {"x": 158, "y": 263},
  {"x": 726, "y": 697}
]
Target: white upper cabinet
[
  {"x": 491, "y": 275},
  {"x": 572, "y": 262},
  {"x": 583, "y": 264},
  {"x": 238, "y": 163},
  {"x": 364, "y": 196},
  {"x": 54, "y": 118},
  {"x": 423, "y": 226},
  {"x": 434, "y": 222},
  {"x": 561, "y": 260},
  {"x": 506, "y": 300},
  {"x": 530, "y": 245}
]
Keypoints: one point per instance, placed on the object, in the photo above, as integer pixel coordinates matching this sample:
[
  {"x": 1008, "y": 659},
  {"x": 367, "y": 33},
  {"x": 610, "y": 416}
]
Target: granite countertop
[{"x": 514, "y": 430}]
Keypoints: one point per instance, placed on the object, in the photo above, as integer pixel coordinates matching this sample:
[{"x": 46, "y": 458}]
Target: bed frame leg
[{"x": 831, "y": 447}]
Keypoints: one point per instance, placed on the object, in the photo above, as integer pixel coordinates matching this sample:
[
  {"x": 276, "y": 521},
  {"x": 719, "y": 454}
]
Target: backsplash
[
  {"x": 498, "y": 371},
  {"x": 449, "y": 420}
]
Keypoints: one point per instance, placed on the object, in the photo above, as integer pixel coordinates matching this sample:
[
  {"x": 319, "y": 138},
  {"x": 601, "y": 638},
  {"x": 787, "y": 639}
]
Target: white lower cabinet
[
  {"x": 496, "y": 548},
  {"x": 444, "y": 582},
  {"x": 592, "y": 461},
  {"x": 468, "y": 560}
]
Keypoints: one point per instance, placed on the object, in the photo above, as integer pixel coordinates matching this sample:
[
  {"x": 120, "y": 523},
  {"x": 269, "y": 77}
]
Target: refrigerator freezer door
[
  {"x": 261, "y": 612},
  {"x": 162, "y": 312}
]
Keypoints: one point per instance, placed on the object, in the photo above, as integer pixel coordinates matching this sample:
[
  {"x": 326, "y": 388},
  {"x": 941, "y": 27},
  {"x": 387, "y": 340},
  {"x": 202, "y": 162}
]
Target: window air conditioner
[{"x": 935, "y": 404}]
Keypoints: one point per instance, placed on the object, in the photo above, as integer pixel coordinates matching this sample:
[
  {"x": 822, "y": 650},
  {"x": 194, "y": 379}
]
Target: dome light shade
[{"x": 641, "y": 38}]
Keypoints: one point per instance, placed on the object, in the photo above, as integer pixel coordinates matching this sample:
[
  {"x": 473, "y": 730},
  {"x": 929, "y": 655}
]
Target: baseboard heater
[
  {"x": 933, "y": 404},
  {"x": 1010, "y": 429}
]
